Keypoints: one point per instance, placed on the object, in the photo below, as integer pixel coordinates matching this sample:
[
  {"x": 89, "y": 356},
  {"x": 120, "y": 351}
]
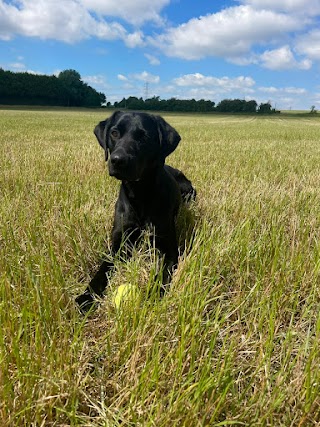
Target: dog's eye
[{"x": 115, "y": 133}]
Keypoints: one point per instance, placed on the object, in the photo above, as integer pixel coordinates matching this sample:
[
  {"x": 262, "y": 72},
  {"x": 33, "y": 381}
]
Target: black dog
[{"x": 150, "y": 192}]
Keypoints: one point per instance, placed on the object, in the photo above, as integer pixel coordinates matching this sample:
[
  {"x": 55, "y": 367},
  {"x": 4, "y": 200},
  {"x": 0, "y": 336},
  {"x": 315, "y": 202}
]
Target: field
[{"x": 235, "y": 341}]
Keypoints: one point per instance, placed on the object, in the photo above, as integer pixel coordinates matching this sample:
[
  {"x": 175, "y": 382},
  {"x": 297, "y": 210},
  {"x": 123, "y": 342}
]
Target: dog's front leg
[
  {"x": 96, "y": 286},
  {"x": 124, "y": 236},
  {"x": 166, "y": 242}
]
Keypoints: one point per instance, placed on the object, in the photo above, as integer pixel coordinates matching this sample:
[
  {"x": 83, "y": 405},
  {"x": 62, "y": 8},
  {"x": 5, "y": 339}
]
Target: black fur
[{"x": 150, "y": 192}]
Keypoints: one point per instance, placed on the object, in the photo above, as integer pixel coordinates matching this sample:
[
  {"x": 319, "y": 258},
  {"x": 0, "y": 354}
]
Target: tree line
[
  {"x": 191, "y": 105},
  {"x": 172, "y": 104},
  {"x": 66, "y": 89}
]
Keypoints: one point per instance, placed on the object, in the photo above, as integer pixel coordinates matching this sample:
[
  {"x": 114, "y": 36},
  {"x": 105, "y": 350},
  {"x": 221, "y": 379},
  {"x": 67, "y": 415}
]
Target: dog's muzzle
[{"x": 121, "y": 167}]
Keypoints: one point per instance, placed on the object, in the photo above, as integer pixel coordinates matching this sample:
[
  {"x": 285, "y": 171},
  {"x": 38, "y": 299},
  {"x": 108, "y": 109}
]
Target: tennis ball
[{"x": 124, "y": 294}]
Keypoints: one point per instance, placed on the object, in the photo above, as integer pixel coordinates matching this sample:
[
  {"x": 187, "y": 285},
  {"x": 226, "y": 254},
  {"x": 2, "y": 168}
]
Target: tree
[
  {"x": 34, "y": 89},
  {"x": 250, "y": 106},
  {"x": 265, "y": 108},
  {"x": 71, "y": 80},
  {"x": 237, "y": 106}
]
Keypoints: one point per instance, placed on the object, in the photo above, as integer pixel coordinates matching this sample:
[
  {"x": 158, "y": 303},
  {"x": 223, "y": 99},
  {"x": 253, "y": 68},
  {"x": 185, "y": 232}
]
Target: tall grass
[{"x": 236, "y": 339}]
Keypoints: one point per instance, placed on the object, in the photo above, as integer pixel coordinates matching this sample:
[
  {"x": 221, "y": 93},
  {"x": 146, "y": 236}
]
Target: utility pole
[{"x": 146, "y": 90}]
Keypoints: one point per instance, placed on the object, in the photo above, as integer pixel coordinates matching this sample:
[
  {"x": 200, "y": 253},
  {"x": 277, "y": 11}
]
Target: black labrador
[{"x": 150, "y": 192}]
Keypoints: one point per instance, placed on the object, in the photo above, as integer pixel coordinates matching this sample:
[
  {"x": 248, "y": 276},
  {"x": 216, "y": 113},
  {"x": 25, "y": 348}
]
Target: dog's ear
[
  {"x": 169, "y": 137},
  {"x": 100, "y": 133},
  {"x": 102, "y": 129}
]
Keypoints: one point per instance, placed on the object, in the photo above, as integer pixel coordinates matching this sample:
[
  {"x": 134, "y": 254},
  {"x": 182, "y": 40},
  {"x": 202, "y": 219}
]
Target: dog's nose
[{"x": 117, "y": 159}]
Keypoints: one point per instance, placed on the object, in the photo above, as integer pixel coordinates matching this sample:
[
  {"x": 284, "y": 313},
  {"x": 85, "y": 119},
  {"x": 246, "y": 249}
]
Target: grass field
[{"x": 236, "y": 339}]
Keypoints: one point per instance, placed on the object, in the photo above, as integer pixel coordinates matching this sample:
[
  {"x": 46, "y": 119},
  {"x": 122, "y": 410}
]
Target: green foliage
[
  {"x": 265, "y": 108},
  {"x": 191, "y": 105},
  {"x": 237, "y": 106},
  {"x": 172, "y": 104},
  {"x": 32, "y": 89}
]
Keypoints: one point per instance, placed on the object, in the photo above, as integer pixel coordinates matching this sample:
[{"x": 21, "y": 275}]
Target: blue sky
[{"x": 267, "y": 50}]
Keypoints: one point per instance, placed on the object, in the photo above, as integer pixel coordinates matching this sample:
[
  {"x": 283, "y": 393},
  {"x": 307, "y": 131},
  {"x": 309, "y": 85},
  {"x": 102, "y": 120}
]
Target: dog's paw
[{"x": 86, "y": 302}]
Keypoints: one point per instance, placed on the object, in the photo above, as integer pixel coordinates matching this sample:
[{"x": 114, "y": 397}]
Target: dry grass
[{"x": 236, "y": 339}]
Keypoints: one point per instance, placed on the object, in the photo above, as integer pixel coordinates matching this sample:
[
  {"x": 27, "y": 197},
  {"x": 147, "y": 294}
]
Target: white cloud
[
  {"x": 225, "y": 83},
  {"x": 270, "y": 89},
  {"x": 152, "y": 59},
  {"x": 72, "y": 20},
  {"x": 230, "y": 33},
  {"x": 134, "y": 85},
  {"x": 309, "y": 44},
  {"x": 40, "y": 73},
  {"x": 135, "y": 12},
  {"x": 17, "y": 66},
  {"x": 283, "y": 97},
  {"x": 295, "y": 90},
  {"x": 7, "y": 20},
  {"x": 67, "y": 21},
  {"x": 146, "y": 77},
  {"x": 122, "y": 77},
  {"x": 283, "y": 59},
  {"x": 199, "y": 86},
  {"x": 102, "y": 30},
  {"x": 46, "y": 19},
  {"x": 287, "y": 90},
  {"x": 98, "y": 82},
  {"x": 304, "y": 7},
  {"x": 134, "y": 40}
]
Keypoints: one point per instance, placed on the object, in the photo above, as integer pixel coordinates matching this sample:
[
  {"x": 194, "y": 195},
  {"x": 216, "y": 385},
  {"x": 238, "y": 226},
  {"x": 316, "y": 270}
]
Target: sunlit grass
[{"x": 236, "y": 339}]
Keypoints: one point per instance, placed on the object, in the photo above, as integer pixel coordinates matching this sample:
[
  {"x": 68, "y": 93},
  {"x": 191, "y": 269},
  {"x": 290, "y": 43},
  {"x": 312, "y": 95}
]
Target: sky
[{"x": 267, "y": 50}]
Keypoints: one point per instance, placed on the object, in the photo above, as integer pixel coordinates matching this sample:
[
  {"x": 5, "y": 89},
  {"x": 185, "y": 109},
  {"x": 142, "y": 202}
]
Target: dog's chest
[
  {"x": 150, "y": 202},
  {"x": 147, "y": 211}
]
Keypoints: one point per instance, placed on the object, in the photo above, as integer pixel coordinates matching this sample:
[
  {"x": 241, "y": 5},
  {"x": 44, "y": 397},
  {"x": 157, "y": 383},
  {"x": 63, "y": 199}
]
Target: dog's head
[{"x": 137, "y": 143}]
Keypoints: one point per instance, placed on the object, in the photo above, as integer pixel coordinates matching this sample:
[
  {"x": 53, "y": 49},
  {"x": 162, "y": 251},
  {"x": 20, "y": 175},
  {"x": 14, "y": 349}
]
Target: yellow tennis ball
[{"x": 124, "y": 294}]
